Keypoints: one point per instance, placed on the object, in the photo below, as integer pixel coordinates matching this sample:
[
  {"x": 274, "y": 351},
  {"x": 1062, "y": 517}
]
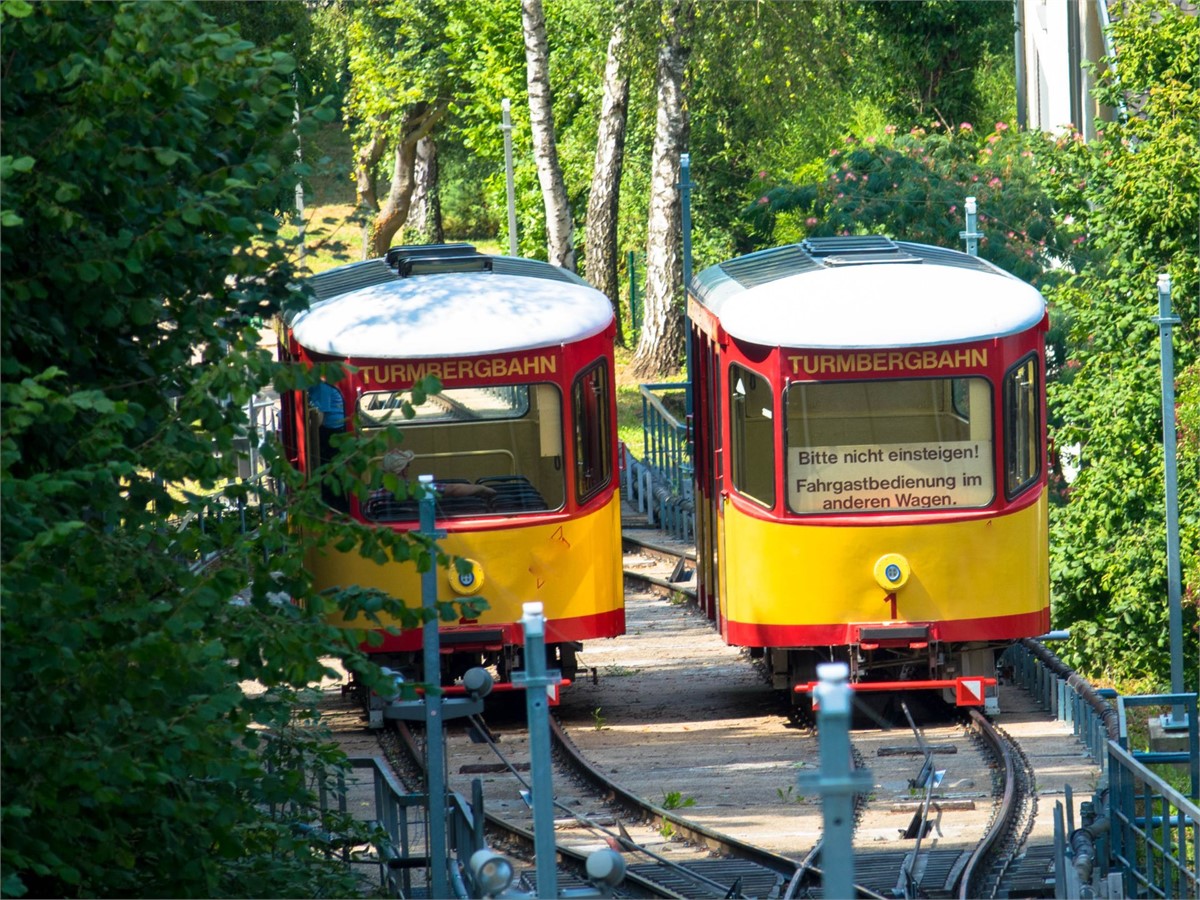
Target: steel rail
[
  {"x": 972, "y": 872},
  {"x": 661, "y": 552},
  {"x": 637, "y": 543},
  {"x": 691, "y": 831},
  {"x": 576, "y": 861}
]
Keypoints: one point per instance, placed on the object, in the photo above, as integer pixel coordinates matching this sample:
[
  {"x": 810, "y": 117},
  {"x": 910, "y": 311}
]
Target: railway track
[
  {"x": 665, "y": 855},
  {"x": 688, "y": 763},
  {"x": 670, "y": 855},
  {"x": 659, "y": 566}
]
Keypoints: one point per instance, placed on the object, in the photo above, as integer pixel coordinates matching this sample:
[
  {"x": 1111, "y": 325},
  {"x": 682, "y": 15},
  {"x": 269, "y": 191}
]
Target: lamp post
[
  {"x": 506, "y": 127},
  {"x": 1165, "y": 320}
]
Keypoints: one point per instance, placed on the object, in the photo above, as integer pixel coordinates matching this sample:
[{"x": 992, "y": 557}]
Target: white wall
[{"x": 1051, "y": 50}]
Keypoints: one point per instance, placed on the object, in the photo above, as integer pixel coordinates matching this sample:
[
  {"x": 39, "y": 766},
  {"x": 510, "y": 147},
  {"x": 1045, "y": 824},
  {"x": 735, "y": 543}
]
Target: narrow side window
[
  {"x": 752, "y": 435},
  {"x": 1022, "y": 434},
  {"x": 591, "y": 414}
]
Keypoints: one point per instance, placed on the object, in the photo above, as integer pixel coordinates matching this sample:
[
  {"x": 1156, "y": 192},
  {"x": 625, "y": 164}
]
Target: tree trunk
[
  {"x": 660, "y": 350},
  {"x": 365, "y": 160},
  {"x": 560, "y": 244},
  {"x": 367, "y": 201},
  {"x": 424, "y": 225},
  {"x": 601, "y": 253},
  {"x": 418, "y": 123}
]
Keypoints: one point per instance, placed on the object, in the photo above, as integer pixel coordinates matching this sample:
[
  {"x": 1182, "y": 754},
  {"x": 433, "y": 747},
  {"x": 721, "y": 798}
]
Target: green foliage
[
  {"x": 1135, "y": 193},
  {"x": 923, "y": 59},
  {"x": 912, "y": 186},
  {"x": 1187, "y": 411},
  {"x": 676, "y": 800},
  {"x": 789, "y": 795},
  {"x": 145, "y": 152}
]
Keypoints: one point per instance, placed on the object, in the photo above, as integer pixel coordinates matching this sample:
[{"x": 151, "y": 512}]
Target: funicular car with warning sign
[{"x": 870, "y": 452}]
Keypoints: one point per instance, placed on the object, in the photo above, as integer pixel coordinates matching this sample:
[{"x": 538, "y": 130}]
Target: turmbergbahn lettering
[
  {"x": 887, "y": 361},
  {"x": 450, "y": 371}
]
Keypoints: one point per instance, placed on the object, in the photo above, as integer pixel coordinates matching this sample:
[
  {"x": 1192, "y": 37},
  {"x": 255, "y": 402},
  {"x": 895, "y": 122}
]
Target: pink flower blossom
[
  {"x": 1079, "y": 240},
  {"x": 1002, "y": 126},
  {"x": 965, "y": 126},
  {"x": 810, "y": 221},
  {"x": 762, "y": 175},
  {"x": 871, "y": 140},
  {"x": 889, "y": 129},
  {"x": 762, "y": 201},
  {"x": 995, "y": 183},
  {"x": 850, "y": 176}
]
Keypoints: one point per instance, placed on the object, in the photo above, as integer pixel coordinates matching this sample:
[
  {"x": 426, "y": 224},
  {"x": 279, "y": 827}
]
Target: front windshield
[
  {"x": 492, "y": 449},
  {"x": 889, "y": 446}
]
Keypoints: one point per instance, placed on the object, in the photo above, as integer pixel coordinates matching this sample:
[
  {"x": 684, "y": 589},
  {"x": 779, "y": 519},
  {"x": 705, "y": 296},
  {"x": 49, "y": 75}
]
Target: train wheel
[
  {"x": 508, "y": 662},
  {"x": 802, "y": 669},
  {"x": 566, "y": 661}
]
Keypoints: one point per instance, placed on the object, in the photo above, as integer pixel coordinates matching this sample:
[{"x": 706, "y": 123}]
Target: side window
[
  {"x": 1022, "y": 434},
  {"x": 752, "y": 437},
  {"x": 591, "y": 412}
]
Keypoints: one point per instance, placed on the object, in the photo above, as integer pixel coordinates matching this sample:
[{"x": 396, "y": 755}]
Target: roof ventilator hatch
[
  {"x": 416, "y": 259},
  {"x": 857, "y": 250}
]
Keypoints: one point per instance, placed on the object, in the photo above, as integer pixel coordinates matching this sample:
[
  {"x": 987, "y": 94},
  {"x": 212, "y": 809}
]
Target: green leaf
[{"x": 17, "y": 9}]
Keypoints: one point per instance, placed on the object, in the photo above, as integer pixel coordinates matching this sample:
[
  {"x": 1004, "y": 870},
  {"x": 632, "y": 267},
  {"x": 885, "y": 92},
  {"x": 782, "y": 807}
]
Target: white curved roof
[
  {"x": 873, "y": 305},
  {"x": 452, "y": 314}
]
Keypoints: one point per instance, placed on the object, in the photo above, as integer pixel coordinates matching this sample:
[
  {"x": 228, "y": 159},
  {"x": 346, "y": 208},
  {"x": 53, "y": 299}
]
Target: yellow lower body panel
[
  {"x": 572, "y": 567},
  {"x": 793, "y": 585}
]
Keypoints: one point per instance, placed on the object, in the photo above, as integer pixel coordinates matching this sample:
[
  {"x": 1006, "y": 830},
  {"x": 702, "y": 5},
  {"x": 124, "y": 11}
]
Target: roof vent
[
  {"x": 849, "y": 244},
  {"x": 437, "y": 265},
  {"x": 769, "y": 265},
  {"x": 430, "y": 252},
  {"x": 857, "y": 250}
]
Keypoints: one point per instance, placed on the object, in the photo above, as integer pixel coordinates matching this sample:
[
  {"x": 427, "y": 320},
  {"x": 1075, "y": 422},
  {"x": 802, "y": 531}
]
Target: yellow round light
[
  {"x": 468, "y": 583},
  {"x": 892, "y": 571}
]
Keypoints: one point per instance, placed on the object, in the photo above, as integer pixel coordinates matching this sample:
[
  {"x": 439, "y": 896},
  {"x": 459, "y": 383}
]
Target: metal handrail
[
  {"x": 661, "y": 482},
  {"x": 1155, "y": 832},
  {"x": 1150, "y": 830}
]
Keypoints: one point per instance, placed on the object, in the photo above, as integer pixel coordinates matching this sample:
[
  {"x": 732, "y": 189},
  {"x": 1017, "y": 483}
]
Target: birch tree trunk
[
  {"x": 601, "y": 252},
  {"x": 660, "y": 349},
  {"x": 560, "y": 246},
  {"x": 424, "y": 224}
]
